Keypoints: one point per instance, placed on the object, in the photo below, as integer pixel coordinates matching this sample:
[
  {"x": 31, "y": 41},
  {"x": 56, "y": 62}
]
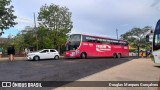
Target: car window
[
  {"x": 52, "y": 51},
  {"x": 44, "y": 51}
]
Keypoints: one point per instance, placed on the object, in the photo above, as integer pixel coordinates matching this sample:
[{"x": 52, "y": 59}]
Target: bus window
[
  {"x": 115, "y": 42},
  {"x": 123, "y": 43}
]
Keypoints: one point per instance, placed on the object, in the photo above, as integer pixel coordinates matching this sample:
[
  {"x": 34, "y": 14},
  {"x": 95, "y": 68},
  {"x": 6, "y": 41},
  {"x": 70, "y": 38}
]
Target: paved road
[
  {"x": 141, "y": 69},
  {"x": 55, "y": 70},
  {"x": 77, "y": 69},
  {"x": 52, "y": 70}
]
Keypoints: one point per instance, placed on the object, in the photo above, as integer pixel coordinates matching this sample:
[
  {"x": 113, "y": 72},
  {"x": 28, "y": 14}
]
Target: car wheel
[
  {"x": 36, "y": 58},
  {"x": 56, "y": 57},
  {"x": 83, "y": 55}
]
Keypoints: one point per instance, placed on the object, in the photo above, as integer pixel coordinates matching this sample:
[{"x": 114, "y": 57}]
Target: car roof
[{"x": 50, "y": 48}]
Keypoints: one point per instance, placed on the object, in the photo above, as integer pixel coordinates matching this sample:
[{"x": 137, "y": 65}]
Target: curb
[
  {"x": 15, "y": 58},
  {"x": 19, "y": 58}
]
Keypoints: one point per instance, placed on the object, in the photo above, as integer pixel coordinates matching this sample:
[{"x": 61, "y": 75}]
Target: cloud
[
  {"x": 155, "y": 3},
  {"x": 24, "y": 20},
  {"x": 99, "y": 17}
]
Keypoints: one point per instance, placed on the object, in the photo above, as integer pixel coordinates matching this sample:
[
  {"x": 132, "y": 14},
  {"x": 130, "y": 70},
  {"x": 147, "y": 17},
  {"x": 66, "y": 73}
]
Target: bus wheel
[
  {"x": 114, "y": 55},
  {"x": 83, "y": 55},
  {"x": 118, "y": 55}
]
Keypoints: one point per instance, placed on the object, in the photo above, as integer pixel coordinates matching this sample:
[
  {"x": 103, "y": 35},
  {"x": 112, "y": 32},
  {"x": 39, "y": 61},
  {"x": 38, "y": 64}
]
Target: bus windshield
[
  {"x": 74, "y": 42},
  {"x": 75, "y": 37},
  {"x": 157, "y": 39}
]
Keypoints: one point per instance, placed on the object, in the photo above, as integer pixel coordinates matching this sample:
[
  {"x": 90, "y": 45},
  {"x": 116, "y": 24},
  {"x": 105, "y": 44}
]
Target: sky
[{"x": 93, "y": 17}]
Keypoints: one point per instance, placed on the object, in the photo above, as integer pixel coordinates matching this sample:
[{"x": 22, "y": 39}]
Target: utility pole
[
  {"x": 35, "y": 32},
  {"x": 117, "y": 32}
]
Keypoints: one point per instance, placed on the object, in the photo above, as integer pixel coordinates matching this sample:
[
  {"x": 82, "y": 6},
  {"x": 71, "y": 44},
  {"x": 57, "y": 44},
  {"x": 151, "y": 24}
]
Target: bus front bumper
[{"x": 71, "y": 55}]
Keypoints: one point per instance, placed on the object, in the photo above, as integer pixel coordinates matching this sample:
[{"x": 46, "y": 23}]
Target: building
[
  {"x": 27, "y": 29},
  {"x": 4, "y": 40}
]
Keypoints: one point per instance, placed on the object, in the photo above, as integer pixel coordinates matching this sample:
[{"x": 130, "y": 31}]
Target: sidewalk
[
  {"x": 15, "y": 58},
  {"x": 135, "y": 70},
  {"x": 19, "y": 58}
]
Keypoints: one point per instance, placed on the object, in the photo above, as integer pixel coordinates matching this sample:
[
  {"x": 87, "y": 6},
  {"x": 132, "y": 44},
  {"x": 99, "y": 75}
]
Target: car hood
[{"x": 33, "y": 53}]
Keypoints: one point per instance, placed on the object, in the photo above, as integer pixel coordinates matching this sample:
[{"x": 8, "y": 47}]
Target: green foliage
[
  {"x": 56, "y": 21},
  {"x": 6, "y": 15},
  {"x": 18, "y": 42},
  {"x": 137, "y": 37},
  {"x": 44, "y": 38},
  {"x": 52, "y": 31},
  {"x": 29, "y": 39}
]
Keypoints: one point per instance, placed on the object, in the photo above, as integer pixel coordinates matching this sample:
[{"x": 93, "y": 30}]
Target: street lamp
[
  {"x": 35, "y": 31},
  {"x": 117, "y": 32}
]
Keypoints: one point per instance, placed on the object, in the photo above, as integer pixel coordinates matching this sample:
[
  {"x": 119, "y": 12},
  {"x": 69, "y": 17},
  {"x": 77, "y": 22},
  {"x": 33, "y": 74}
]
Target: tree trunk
[
  {"x": 59, "y": 49},
  {"x": 138, "y": 50}
]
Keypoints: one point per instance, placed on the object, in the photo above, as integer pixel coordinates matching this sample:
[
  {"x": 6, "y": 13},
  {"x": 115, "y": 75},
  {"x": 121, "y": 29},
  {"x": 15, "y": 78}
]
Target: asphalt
[
  {"x": 15, "y": 58},
  {"x": 54, "y": 70},
  {"x": 142, "y": 69},
  {"x": 95, "y": 69},
  {"x": 18, "y": 58}
]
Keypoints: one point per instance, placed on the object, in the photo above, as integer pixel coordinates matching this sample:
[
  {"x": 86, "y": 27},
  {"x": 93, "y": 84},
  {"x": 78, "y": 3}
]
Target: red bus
[{"x": 83, "y": 46}]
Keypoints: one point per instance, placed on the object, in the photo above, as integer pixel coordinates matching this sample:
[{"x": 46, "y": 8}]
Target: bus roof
[{"x": 102, "y": 37}]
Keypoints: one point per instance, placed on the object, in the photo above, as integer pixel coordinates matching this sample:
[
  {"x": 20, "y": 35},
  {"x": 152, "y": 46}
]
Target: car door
[
  {"x": 44, "y": 54},
  {"x": 53, "y": 53}
]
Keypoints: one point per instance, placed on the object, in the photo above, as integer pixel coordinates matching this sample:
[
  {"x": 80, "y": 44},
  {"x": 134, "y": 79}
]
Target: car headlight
[{"x": 31, "y": 55}]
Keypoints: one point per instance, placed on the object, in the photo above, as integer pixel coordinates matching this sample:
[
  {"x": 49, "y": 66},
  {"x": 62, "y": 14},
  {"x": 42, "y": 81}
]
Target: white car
[{"x": 43, "y": 54}]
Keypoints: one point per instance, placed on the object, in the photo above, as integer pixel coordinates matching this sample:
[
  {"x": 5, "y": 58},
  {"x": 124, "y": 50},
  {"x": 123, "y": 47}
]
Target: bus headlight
[{"x": 72, "y": 54}]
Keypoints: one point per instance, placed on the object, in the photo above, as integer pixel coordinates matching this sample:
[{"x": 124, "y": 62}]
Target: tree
[
  {"x": 44, "y": 38},
  {"x": 6, "y": 15},
  {"x": 136, "y": 37},
  {"x": 18, "y": 42},
  {"x": 57, "y": 21}
]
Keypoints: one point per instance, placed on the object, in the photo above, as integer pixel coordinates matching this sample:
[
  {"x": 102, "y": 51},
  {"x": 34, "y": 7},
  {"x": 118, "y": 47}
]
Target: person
[
  {"x": 0, "y": 53},
  {"x": 141, "y": 53},
  {"x": 8, "y": 52},
  {"x": 31, "y": 49},
  {"x": 146, "y": 53},
  {"x": 11, "y": 52},
  {"x": 25, "y": 52}
]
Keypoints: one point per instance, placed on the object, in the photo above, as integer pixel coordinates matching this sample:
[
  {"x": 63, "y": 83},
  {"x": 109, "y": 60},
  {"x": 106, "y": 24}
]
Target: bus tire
[
  {"x": 114, "y": 55},
  {"x": 118, "y": 55},
  {"x": 83, "y": 55}
]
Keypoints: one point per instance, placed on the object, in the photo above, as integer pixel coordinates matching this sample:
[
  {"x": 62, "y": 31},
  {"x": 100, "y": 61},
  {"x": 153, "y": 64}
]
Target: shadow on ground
[
  {"x": 56, "y": 70},
  {"x": 157, "y": 66}
]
